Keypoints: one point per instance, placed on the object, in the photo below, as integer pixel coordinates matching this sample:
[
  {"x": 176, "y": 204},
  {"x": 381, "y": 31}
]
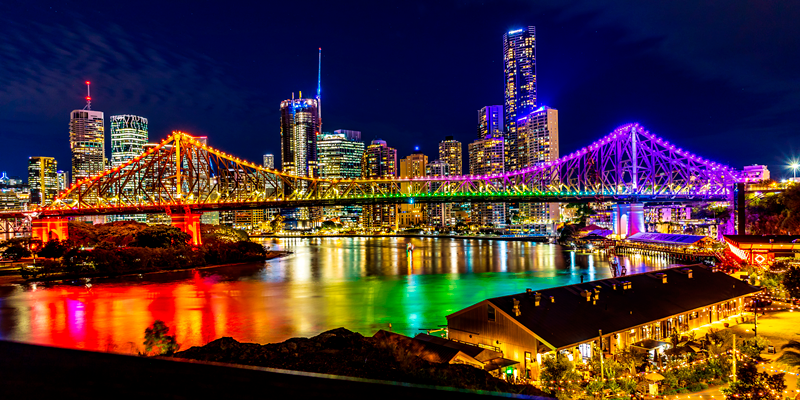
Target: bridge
[{"x": 183, "y": 177}]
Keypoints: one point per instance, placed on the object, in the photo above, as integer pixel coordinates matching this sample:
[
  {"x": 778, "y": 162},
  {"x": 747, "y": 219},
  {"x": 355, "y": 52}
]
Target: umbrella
[{"x": 654, "y": 376}]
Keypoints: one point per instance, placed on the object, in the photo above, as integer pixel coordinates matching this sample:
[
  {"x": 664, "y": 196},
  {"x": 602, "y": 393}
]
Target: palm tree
[{"x": 791, "y": 354}]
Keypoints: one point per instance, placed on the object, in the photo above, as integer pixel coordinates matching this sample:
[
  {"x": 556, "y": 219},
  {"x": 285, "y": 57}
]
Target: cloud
[{"x": 44, "y": 66}]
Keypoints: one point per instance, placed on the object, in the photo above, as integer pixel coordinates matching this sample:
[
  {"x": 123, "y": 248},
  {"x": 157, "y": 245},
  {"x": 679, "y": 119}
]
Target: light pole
[{"x": 794, "y": 166}]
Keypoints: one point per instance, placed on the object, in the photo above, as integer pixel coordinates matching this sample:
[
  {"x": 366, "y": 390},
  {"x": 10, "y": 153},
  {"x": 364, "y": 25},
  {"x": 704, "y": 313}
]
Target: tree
[
  {"x": 161, "y": 236},
  {"x": 751, "y": 384},
  {"x": 559, "y": 377},
  {"x": 277, "y": 223},
  {"x": 791, "y": 354},
  {"x": 15, "y": 252},
  {"x": 55, "y": 248},
  {"x": 155, "y": 337},
  {"x": 328, "y": 225},
  {"x": 791, "y": 281}
]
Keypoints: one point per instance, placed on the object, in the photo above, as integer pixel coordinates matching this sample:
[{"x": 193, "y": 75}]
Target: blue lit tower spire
[{"x": 319, "y": 87}]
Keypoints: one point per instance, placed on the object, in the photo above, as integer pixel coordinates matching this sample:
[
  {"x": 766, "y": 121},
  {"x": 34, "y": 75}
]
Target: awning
[
  {"x": 650, "y": 344},
  {"x": 498, "y": 362}
]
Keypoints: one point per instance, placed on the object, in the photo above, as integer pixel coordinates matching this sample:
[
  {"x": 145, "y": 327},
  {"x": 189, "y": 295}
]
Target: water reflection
[{"x": 363, "y": 284}]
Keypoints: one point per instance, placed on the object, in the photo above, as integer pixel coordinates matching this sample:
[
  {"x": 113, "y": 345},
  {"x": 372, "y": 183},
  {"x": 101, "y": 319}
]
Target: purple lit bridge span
[{"x": 183, "y": 177}]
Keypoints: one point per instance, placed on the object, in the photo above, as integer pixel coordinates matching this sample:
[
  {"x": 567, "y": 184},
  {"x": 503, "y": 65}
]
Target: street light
[{"x": 794, "y": 166}]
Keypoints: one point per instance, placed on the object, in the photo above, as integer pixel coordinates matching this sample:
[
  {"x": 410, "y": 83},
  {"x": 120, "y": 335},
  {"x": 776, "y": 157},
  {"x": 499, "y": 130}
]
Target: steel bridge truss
[{"x": 181, "y": 173}]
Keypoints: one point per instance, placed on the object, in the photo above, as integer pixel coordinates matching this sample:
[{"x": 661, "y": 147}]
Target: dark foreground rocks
[{"x": 342, "y": 352}]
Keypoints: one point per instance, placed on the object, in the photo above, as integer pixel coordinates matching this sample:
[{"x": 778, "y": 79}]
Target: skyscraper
[
  {"x": 299, "y": 129},
  {"x": 519, "y": 61},
  {"x": 42, "y": 180},
  {"x": 450, "y": 152},
  {"x": 490, "y": 121},
  {"x": 340, "y": 155},
  {"x": 486, "y": 156},
  {"x": 439, "y": 214},
  {"x": 269, "y": 161},
  {"x": 128, "y": 137},
  {"x": 87, "y": 142},
  {"x": 411, "y": 167},
  {"x": 538, "y": 143},
  {"x": 63, "y": 180},
  {"x": 379, "y": 161}
]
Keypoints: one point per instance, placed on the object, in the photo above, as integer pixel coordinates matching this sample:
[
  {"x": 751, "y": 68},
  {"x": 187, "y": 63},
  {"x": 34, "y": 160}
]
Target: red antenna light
[{"x": 88, "y": 97}]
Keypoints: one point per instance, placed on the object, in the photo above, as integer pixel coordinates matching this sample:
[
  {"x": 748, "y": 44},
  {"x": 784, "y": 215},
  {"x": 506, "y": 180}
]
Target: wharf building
[
  {"x": 439, "y": 214},
  {"x": 608, "y": 315},
  {"x": 490, "y": 122},
  {"x": 43, "y": 180},
  {"x": 87, "y": 143},
  {"x": 537, "y": 138},
  {"x": 379, "y": 161},
  {"x": 339, "y": 157},
  {"x": 519, "y": 68},
  {"x": 487, "y": 156},
  {"x": 411, "y": 215},
  {"x": 300, "y": 127}
]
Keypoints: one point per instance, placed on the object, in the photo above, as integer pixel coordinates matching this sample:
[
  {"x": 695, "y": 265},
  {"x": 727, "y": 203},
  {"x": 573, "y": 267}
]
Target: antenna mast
[
  {"x": 88, "y": 97},
  {"x": 319, "y": 87}
]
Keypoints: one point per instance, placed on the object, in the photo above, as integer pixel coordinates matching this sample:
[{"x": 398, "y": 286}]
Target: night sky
[{"x": 718, "y": 78}]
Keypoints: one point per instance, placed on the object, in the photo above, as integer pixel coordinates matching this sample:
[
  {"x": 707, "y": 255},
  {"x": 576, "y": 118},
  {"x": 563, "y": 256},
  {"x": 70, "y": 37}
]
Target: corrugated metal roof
[
  {"x": 571, "y": 319},
  {"x": 666, "y": 238}
]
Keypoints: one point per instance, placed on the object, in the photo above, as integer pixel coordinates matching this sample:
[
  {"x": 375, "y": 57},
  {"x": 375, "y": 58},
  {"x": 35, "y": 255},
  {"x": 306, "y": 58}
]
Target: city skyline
[{"x": 561, "y": 79}]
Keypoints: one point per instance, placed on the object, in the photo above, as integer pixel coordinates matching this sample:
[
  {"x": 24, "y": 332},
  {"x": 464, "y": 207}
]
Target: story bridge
[{"x": 183, "y": 177}]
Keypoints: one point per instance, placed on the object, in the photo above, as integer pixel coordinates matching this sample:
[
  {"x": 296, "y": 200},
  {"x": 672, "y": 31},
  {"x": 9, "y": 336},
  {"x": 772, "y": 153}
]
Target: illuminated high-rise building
[
  {"x": 519, "y": 62},
  {"x": 379, "y": 161},
  {"x": 411, "y": 167},
  {"x": 299, "y": 129},
  {"x": 87, "y": 142},
  {"x": 63, "y": 180},
  {"x": 339, "y": 154},
  {"x": 339, "y": 157},
  {"x": 300, "y": 126},
  {"x": 128, "y": 137},
  {"x": 538, "y": 143},
  {"x": 42, "y": 179},
  {"x": 490, "y": 121},
  {"x": 439, "y": 214},
  {"x": 487, "y": 156},
  {"x": 450, "y": 152},
  {"x": 269, "y": 161}
]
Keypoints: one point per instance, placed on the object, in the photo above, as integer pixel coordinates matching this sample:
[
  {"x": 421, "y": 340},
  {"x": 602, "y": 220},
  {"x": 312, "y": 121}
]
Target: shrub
[
  {"x": 157, "y": 342},
  {"x": 697, "y": 386}
]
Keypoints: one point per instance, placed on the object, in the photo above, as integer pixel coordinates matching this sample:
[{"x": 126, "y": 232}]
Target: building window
[
  {"x": 490, "y": 312},
  {"x": 693, "y": 315}
]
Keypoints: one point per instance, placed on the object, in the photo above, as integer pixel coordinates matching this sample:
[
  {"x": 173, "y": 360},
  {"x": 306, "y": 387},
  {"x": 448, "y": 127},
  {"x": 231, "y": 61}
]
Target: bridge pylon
[
  {"x": 49, "y": 228},
  {"x": 188, "y": 222}
]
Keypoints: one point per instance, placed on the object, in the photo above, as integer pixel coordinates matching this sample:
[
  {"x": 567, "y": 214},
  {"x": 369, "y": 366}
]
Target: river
[{"x": 362, "y": 284}]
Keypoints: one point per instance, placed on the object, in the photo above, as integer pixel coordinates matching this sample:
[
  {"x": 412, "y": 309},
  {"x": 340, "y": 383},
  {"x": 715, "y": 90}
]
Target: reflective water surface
[{"x": 363, "y": 284}]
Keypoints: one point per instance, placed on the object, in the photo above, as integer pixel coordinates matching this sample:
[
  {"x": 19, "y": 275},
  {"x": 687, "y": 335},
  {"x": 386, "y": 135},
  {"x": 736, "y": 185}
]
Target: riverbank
[
  {"x": 345, "y": 353},
  {"x": 538, "y": 239},
  {"x": 104, "y": 375},
  {"x": 11, "y": 274}
]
